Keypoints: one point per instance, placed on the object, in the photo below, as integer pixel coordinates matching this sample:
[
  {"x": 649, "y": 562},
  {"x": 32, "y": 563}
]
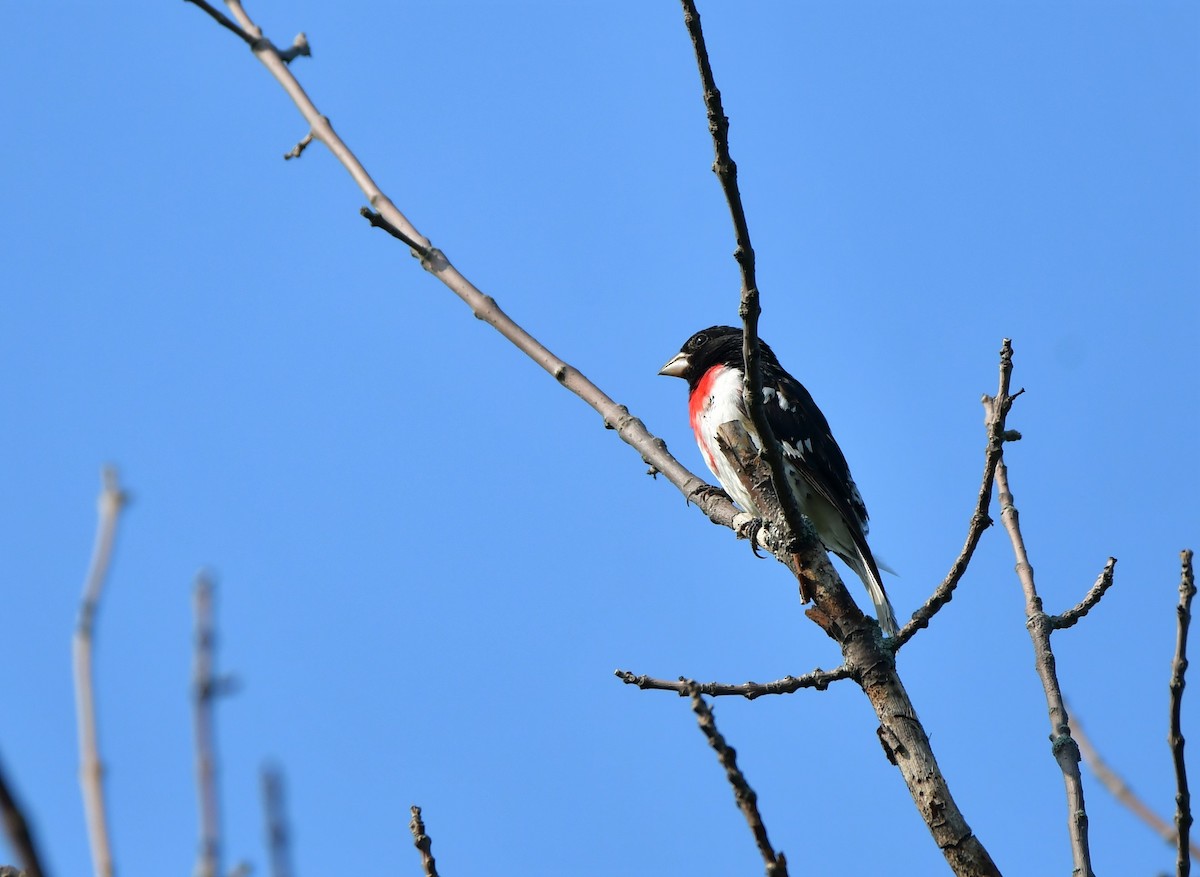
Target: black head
[{"x": 716, "y": 345}]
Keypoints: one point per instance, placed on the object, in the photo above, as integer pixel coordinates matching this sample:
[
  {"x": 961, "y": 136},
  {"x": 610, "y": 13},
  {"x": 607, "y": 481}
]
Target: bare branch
[
  {"x": 298, "y": 48},
  {"x": 1183, "y": 799},
  {"x": 1103, "y": 582},
  {"x": 91, "y": 768},
  {"x": 718, "y": 508},
  {"x": 16, "y": 827},
  {"x": 747, "y": 799},
  {"x": 278, "y": 843},
  {"x": 224, "y": 21},
  {"x": 1121, "y": 790},
  {"x": 204, "y": 695},
  {"x": 299, "y": 148},
  {"x": 818, "y": 679},
  {"x": 996, "y": 409},
  {"x": 1039, "y": 624},
  {"x": 749, "y": 309},
  {"x": 422, "y": 842}
]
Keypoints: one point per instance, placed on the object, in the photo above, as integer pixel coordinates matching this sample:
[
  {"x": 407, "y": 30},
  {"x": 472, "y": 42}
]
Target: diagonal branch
[
  {"x": 747, "y": 799},
  {"x": 718, "y": 508},
  {"x": 1121, "y": 790},
  {"x": 1183, "y": 799},
  {"x": 1039, "y": 624},
  {"x": 91, "y": 768},
  {"x": 1072, "y": 616},
  {"x": 749, "y": 309},
  {"x": 818, "y": 679},
  {"x": 996, "y": 408},
  {"x": 16, "y": 827}
]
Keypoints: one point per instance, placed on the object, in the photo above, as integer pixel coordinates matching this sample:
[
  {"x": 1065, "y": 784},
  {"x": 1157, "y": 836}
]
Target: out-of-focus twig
[
  {"x": 91, "y": 768},
  {"x": 278, "y": 839},
  {"x": 1039, "y": 624},
  {"x": 205, "y": 689},
  {"x": 16, "y": 827},
  {"x": 818, "y": 679},
  {"x": 747, "y": 799},
  {"x": 1183, "y": 799},
  {"x": 422, "y": 842},
  {"x": 1121, "y": 790}
]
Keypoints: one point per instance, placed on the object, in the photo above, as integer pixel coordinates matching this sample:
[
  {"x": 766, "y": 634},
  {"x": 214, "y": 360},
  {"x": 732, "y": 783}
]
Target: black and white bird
[{"x": 711, "y": 363}]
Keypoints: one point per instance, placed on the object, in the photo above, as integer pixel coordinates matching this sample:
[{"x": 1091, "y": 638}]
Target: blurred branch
[
  {"x": 16, "y": 827},
  {"x": 1121, "y": 790},
  {"x": 278, "y": 841},
  {"x": 745, "y": 796},
  {"x": 1072, "y": 616},
  {"x": 1183, "y": 799},
  {"x": 818, "y": 679},
  {"x": 1040, "y": 625},
  {"x": 91, "y": 768},
  {"x": 205, "y": 689},
  {"x": 719, "y": 509},
  {"x": 748, "y": 309},
  {"x": 996, "y": 409},
  {"x": 422, "y": 842}
]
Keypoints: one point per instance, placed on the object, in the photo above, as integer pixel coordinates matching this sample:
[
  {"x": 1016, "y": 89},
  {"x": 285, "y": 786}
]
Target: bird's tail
[{"x": 864, "y": 564}]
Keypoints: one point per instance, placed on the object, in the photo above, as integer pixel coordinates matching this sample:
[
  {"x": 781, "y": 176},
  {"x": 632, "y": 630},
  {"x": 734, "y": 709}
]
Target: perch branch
[
  {"x": 749, "y": 308},
  {"x": 422, "y": 842},
  {"x": 278, "y": 842},
  {"x": 1183, "y": 799},
  {"x": 747, "y": 799},
  {"x": 16, "y": 827},
  {"x": 996, "y": 410},
  {"x": 818, "y": 679},
  {"x": 204, "y": 694},
  {"x": 1039, "y": 624},
  {"x": 91, "y": 768}
]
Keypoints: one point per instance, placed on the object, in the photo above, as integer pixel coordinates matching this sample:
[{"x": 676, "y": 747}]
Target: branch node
[{"x": 299, "y": 148}]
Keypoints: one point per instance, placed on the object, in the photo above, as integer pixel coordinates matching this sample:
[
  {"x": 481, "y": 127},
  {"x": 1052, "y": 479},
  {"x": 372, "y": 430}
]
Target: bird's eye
[{"x": 700, "y": 340}]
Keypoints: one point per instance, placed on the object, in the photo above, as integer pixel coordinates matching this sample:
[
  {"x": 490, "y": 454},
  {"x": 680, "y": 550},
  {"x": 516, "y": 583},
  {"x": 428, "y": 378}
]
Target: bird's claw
[
  {"x": 706, "y": 490},
  {"x": 751, "y": 529}
]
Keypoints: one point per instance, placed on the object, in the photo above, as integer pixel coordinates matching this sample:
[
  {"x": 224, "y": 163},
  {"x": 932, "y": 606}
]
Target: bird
[{"x": 815, "y": 468}]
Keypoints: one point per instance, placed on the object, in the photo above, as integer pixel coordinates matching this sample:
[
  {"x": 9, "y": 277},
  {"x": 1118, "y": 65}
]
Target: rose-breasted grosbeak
[{"x": 711, "y": 362}]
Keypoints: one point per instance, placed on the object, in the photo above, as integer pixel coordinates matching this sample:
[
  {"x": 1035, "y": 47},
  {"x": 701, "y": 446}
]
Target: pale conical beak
[{"x": 676, "y": 367}]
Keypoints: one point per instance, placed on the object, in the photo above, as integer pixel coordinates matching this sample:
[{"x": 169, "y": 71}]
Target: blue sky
[{"x": 430, "y": 558}]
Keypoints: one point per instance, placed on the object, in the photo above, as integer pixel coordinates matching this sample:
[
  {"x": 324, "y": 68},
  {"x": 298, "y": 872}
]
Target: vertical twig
[
  {"x": 204, "y": 693},
  {"x": 1183, "y": 799},
  {"x": 278, "y": 841},
  {"x": 16, "y": 826},
  {"x": 1039, "y": 624},
  {"x": 422, "y": 842},
  {"x": 746, "y": 798},
  {"x": 748, "y": 309},
  {"x": 91, "y": 768}
]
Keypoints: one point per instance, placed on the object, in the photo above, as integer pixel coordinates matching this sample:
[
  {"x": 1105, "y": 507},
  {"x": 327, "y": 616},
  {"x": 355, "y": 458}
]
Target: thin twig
[
  {"x": 818, "y": 679},
  {"x": 204, "y": 694},
  {"x": 718, "y": 508},
  {"x": 749, "y": 308},
  {"x": 1062, "y": 744},
  {"x": 996, "y": 409},
  {"x": 422, "y": 842},
  {"x": 1072, "y": 616},
  {"x": 274, "y": 811},
  {"x": 1121, "y": 790},
  {"x": 91, "y": 768},
  {"x": 16, "y": 827},
  {"x": 747, "y": 799},
  {"x": 1183, "y": 799},
  {"x": 298, "y": 149}
]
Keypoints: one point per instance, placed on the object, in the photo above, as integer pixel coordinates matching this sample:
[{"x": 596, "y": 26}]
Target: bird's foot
[{"x": 752, "y": 529}]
